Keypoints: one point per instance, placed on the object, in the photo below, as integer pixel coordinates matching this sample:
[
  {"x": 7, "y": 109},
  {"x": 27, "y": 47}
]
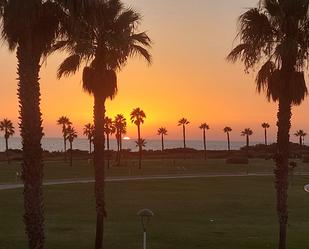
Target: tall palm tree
[
  {"x": 183, "y": 122},
  {"x": 162, "y": 131},
  {"x": 265, "y": 126},
  {"x": 9, "y": 130},
  {"x": 120, "y": 124},
  {"x": 30, "y": 27},
  {"x": 105, "y": 38},
  {"x": 247, "y": 133},
  {"x": 72, "y": 134},
  {"x": 89, "y": 132},
  {"x": 228, "y": 130},
  {"x": 64, "y": 122},
  {"x": 204, "y": 127},
  {"x": 301, "y": 134},
  {"x": 138, "y": 118},
  {"x": 276, "y": 34},
  {"x": 109, "y": 129}
]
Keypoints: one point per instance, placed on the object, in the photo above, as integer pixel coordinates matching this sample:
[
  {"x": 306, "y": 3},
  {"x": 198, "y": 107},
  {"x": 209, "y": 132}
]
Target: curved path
[{"x": 135, "y": 178}]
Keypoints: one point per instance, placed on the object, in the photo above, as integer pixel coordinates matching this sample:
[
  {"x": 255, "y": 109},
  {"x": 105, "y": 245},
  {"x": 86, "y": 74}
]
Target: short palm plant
[
  {"x": 72, "y": 134},
  {"x": 275, "y": 35},
  {"x": 247, "y": 133},
  {"x": 7, "y": 127},
  {"x": 64, "y": 122},
  {"x": 228, "y": 130},
  {"x": 183, "y": 123},
  {"x": 162, "y": 131},
  {"x": 109, "y": 129},
  {"x": 141, "y": 143},
  {"x": 120, "y": 124},
  {"x": 204, "y": 127},
  {"x": 89, "y": 133},
  {"x": 301, "y": 135},
  {"x": 265, "y": 126},
  {"x": 105, "y": 39},
  {"x": 138, "y": 118}
]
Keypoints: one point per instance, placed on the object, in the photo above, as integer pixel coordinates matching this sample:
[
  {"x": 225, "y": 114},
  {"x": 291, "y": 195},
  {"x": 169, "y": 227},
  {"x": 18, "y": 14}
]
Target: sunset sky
[{"x": 189, "y": 77}]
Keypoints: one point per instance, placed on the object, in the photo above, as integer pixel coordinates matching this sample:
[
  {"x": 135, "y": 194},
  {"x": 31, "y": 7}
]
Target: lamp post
[{"x": 145, "y": 215}]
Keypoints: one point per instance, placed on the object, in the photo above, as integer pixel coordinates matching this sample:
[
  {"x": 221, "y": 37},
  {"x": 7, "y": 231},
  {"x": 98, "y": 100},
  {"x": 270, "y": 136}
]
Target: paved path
[{"x": 134, "y": 178}]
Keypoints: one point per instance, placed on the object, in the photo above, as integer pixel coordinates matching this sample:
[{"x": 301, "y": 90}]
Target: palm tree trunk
[
  {"x": 300, "y": 141},
  {"x": 71, "y": 154},
  {"x": 184, "y": 136},
  {"x": 228, "y": 142},
  {"x": 99, "y": 168},
  {"x": 204, "y": 139},
  {"x": 64, "y": 143},
  {"x": 139, "y": 147},
  {"x": 265, "y": 134},
  {"x": 7, "y": 149},
  {"x": 282, "y": 167},
  {"x": 108, "y": 152},
  {"x": 31, "y": 132},
  {"x": 162, "y": 141},
  {"x": 90, "y": 150}
]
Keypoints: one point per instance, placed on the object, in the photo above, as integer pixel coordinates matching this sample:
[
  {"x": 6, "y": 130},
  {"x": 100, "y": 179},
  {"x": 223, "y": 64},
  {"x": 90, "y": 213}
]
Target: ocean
[{"x": 56, "y": 144}]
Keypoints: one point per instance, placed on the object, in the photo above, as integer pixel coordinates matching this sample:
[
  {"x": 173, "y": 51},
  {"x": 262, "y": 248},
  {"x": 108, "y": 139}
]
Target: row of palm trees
[{"x": 99, "y": 36}]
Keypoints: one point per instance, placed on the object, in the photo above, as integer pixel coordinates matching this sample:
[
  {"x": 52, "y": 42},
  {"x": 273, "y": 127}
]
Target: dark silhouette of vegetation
[
  {"x": 89, "y": 133},
  {"x": 265, "y": 126},
  {"x": 64, "y": 122},
  {"x": 7, "y": 127},
  {"x": 120, "y": 124},
  {"x": 138, "y": 117},
  {"x": 105, "y": 38},
  {"x": 71, "y": 135},
  {"x": 183, "y": 122},
  {"x": 228, "y": 130},
  {"x": 204, "y": 127},
  {"x": 276, "y": 34},
  {"x": 109, "y": 129},
  {"x": 141, "y": 143},
  {"x": 162, "y": 131},
  {"x": 301, "y": 134},
  {"x": 247, "y": 133}
]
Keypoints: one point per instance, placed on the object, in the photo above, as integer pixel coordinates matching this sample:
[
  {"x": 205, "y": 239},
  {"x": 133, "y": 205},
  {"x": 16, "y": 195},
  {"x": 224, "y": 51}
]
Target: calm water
[{"x": 56, "y": 144}]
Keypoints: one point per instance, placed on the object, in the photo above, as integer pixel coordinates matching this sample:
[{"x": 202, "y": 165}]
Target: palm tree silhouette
[
  {"x": 9, "y": 130},
  {"x": 265, "y": 126},
  {"x": 72, "y": 134},
  {"x": 138, "y": 117},
  {"x": 109, "y": 129},
  {"x": 89, "y": 133},
  {"x": 275, "y": 33},
  {"x": 104, "y": 42},
  {"x": 247, "y": 133},
  {"x": 120, "y": 124},
  {"x": 162, "y": 131},
  {"x": 301, "y": 134},
  {"x": 204, "y": 127},
  {"x": 64, "y": 122},
  {"x": 183, "y": 122},
  {"x": 141, "y": 143},
  {"x": 35, "y": 27},
  {"x": 228, "y": 130}
]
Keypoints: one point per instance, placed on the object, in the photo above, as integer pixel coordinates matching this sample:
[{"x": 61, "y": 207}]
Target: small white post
[{"x": 145, "y": 240}]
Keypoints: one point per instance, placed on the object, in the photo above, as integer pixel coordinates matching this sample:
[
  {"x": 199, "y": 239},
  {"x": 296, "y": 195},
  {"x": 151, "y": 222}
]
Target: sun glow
[{"x": 126, "y": 138}]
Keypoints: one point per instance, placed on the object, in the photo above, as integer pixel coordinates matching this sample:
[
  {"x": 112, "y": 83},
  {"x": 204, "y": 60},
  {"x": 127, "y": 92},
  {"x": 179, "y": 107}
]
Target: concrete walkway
[{"x": 135, "y": 178}]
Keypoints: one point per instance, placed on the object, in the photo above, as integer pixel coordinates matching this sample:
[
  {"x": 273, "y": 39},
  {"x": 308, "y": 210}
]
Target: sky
[{"x": 189, "y": 78}]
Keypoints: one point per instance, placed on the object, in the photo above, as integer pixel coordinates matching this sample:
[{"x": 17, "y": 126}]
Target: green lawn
[
  {"x": 82, "y": 169},
  {"x": 242, "y": 210}
]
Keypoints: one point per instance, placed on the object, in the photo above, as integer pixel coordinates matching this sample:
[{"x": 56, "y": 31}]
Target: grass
[
  {"x": 82, "y": 169},
  {"x": 215, "y": 213}
]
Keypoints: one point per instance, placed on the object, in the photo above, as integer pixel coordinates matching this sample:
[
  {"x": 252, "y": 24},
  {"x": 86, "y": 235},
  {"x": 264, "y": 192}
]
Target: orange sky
[{"x": 189, "y": 77}]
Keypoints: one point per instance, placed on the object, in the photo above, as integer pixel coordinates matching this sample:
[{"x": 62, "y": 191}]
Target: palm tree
[
  {"x": 247, "y": 133},
  {"x": 9, "y": 130},
  {"x": 64, "y": 122},
  {"x": 89, "y": 132},
  {"x": 276, "y": 34},
  {"x": 183, "y": 122},
  {"x": 109, "y": 129},
  {"x": 301, "y": 134},
  {"x": 141, "y": 143},
  {"x": 105, "y": 38},
  {"x": 204, "y": 127},
  {"x": 265, "y": 126},
  {"x": 228, "y": 130},
  {"x": 30, "y": 27},
  {"x": 138, "y": 117},
  {"x": 120, "y": 124},
  {"x": 162, "y": 132},
  {"x": 72, "y": 134}
]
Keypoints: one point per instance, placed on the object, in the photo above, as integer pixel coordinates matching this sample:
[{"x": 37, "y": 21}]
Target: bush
[{"x": 237, "y": 160}]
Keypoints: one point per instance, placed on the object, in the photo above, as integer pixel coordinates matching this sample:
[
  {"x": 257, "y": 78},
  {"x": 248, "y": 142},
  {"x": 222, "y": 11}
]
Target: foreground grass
[
  {"x": 83, "y": 169},
  {"x": 218, "y": 213}
]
